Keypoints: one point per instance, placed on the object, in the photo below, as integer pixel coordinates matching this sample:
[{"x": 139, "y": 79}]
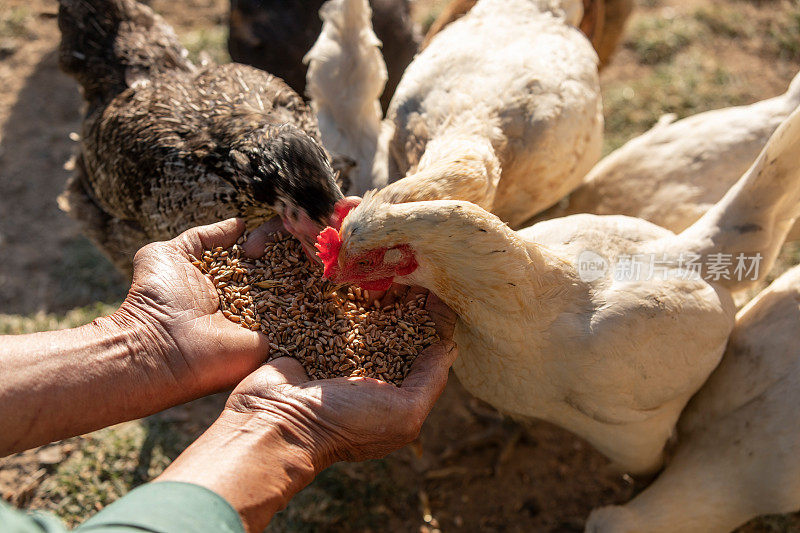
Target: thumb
[
  {"x": 223, "y": 234},
  {"x": 280, "y": 371},
  {"x": 258, "y": 238}
]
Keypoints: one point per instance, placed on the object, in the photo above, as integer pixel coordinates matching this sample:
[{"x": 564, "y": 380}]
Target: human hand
[
  {"x": 179, "y": 309},
  {"x": 278, "y": 430},
  {"x": 351, "y": 419}
]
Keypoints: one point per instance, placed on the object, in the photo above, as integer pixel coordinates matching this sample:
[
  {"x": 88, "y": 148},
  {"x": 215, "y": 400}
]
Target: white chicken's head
[{"x": 365, "y": 249}]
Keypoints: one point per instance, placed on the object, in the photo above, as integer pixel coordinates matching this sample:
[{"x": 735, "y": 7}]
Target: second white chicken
[
  {"x": 675, "y": 172},
  {"x": 502, "y": 109},
  {"x": 738, "y": 453}
]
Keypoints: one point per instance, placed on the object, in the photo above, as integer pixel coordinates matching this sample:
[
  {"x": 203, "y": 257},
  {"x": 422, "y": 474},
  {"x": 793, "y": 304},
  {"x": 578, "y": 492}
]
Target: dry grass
[
  {"x": 426, "y": 11},
  {"x": 685, "y": 58},
  {"x": 207, "y": 44},
  {"x": 14, "y": 26},
  {"x": 17, "y": 325}
]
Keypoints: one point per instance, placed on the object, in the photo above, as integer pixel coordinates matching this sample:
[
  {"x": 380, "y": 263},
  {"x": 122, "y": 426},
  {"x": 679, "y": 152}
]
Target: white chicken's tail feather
[
  {"x": 570, "y": 10},
  {"x": 756, "y": 214},
  {"x": 346, "y": 77},
  {"x": 793, "y": 92}
]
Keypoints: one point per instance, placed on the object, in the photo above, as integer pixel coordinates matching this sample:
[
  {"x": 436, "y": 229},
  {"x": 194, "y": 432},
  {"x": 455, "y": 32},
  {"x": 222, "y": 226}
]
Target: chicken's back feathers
[
  {"x": 756, "y": 214},
  {"x": 527, "y": 79},
  {"x": 674, "y": 173},
  {"x": 110, "y": 45},
  {"x": 183, "y": 141},
  {"x": 603, "y": 23}
]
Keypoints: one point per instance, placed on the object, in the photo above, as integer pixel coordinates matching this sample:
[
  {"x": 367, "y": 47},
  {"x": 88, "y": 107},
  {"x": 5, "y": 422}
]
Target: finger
[
  {"x": 224, "y": 234},
  {"x": 428, "y": 375},
  {"x": 395, "y": 293},
  {"x": 377, "y": 296},
  {"x": 239, "y": 340},
  {"x": 414, "y": 292},
  {"x": 282, "y": 371},
  {"x": 444, "y": 317},
  {"x": 259, "y": 237}
]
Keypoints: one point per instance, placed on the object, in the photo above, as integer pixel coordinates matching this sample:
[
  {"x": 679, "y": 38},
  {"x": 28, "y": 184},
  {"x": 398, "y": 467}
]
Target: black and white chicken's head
[{"x": 285, "y": 169}]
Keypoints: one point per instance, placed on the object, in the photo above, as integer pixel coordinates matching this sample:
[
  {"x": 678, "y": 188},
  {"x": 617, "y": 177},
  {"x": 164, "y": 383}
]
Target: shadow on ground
[{"x": 47, "y": 265}]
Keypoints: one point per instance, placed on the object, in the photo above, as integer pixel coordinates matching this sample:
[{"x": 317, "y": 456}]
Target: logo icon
[{"x": 591, "y": 266}]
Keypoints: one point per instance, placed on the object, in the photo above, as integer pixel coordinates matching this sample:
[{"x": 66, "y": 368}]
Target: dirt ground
[{"x": 473, "y": 470}]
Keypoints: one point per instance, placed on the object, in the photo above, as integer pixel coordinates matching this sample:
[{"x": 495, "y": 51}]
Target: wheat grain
[{"x": 332, "y": 333}]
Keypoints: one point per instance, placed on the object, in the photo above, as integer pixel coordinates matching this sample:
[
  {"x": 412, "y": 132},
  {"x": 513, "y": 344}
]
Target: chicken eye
[{"x": 364, "y": 263}]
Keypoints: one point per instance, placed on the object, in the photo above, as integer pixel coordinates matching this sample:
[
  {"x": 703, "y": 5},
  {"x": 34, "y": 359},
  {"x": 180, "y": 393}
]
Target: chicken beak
[
  {"x": 310, "y": 249},
  {"x": 335, "y": 287},
  {"x": 304, "y": 230}
]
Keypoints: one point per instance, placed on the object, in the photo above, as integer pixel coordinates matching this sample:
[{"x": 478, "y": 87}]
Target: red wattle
[{"x": 410, "y": 265}]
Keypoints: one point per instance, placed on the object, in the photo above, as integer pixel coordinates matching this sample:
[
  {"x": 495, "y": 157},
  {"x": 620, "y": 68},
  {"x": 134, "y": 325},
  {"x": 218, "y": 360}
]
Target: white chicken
[
  {"x": 603, "y": 23},
  {"x": 739, "y": 450},
  {"x": 675, "y": 172},
  {"x": 549, "y": 329},
  {"x": 502, "y": 109},
  {"x": 345, "y": 79}
]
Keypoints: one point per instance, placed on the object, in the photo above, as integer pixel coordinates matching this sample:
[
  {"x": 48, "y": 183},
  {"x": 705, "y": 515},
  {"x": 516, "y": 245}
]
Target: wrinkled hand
[
  {"x": 179, "y": 307},
  {"x": 351, "y": 418}
]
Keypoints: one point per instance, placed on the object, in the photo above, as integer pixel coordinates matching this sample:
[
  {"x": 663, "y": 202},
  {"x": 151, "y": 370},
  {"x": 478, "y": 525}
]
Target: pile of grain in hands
[{"x": 331, "y": 333}]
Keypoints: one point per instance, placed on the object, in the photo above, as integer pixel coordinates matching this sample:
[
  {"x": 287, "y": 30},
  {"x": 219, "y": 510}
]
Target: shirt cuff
[{"x": 167, "y": 507}]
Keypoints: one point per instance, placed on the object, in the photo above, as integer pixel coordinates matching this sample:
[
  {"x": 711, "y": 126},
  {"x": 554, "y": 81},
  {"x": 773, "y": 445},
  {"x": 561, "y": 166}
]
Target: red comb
[
  {"x": 342, "y": 209},
  {"x": 328, "y": 244}
]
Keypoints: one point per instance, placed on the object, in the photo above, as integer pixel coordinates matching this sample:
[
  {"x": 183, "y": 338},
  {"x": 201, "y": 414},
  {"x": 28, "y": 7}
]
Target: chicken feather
[
  {"x": 612, "y": 358},
  {"x": 737, "y": 451},
  {"x": 166, "y": 146}
]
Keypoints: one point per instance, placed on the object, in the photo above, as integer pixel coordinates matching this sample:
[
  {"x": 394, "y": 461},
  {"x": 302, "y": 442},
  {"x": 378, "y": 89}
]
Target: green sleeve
[
  {"x": 13, "y": 521},
  {"x": 166, "y": 507}
]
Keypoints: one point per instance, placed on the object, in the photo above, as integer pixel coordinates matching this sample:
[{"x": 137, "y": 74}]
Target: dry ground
[{"x": 474, "y": 470}]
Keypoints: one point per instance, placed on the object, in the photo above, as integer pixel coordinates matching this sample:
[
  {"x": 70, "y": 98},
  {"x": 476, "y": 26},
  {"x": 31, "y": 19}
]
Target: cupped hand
[
  {"x": 179, "y": 307},
  {"x": 352, "y": 418}
]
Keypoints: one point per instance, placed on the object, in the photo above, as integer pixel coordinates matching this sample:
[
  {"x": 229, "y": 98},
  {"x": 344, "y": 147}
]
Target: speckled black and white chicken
[{"x": 167, "y": 145}]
